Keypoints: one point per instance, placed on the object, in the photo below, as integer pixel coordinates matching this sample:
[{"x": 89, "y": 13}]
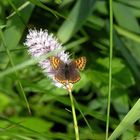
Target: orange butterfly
[{"x": 67, "y": 72}]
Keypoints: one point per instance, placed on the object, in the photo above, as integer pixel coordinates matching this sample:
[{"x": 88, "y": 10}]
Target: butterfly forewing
[
  {"x": 58, "y": 67},
  {"x": 80, "y": 63},
  {"x": 55, "y": 62}
]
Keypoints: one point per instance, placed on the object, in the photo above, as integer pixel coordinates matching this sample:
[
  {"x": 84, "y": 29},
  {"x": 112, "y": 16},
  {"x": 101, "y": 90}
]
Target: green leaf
[
  {"x": 99, "y": 77},
  {"x": 120, "y": 102},
  {"x": 77, "y": 17},
  {"x": 34, "y": 123},
  {"x": 123, "y": 14},
  {"x": 4, "y": 101},
  {"x": 128, "y": 34},
  {"x": 123, "y": 50},
  {"x": 15, "y": 27},
  {"x": 134, "y": 3}
]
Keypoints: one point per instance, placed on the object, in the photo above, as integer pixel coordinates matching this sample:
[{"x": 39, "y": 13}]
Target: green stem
[
  {"x": 74, "y": 116},
  {"x": 110, "y": 66}
]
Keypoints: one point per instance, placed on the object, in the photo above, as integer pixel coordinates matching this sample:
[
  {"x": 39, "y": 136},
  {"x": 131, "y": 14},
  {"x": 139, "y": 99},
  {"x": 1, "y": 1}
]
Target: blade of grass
[
  {"x": 123, "y": 14},
  {"x": 134, "y": 3},
  {"x": 19, "y": 136},
  {"x": 12, "y": 64},
  {"x": 110, "y": 65},
  {"x": 127, "y": 34},
  {"x": 14, "y": 50},
  {"x": 15, "y": 27},
  {"x": 83, "y": 115},
  {"x": 19, "y": 9},
  {"x": 76, "y": 19},
  {"x": 55, "y": 13},
  {"x": 19, "y": 125},
  {"x": 132, "y": 116},
  {"x": 17, "y": 12},
  {"x": 2, "y": 26},
  {"x": 128, "y": 57}
]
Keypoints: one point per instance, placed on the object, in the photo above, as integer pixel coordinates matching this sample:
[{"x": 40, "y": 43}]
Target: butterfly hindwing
[
  {"x": 74, "y": 75},
  {"x": 60, "y": 75}
]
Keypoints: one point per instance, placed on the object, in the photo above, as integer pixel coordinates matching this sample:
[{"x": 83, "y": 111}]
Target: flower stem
[
  {"x": 74, "y": 116},
  {"x": 110, "y": 65}
]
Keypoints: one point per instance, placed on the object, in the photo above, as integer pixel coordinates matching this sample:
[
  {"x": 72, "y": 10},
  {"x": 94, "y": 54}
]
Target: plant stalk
[
  {"x": 110, "y": 65},
  {"x": 74, "y": 116}
]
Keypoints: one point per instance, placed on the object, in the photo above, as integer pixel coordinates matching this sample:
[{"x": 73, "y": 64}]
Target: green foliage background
[{"x": 83, "y": 28}]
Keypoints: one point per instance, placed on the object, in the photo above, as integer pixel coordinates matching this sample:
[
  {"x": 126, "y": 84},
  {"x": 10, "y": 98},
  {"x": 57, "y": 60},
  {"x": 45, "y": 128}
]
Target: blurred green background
[{"x": 83, "y": 27}]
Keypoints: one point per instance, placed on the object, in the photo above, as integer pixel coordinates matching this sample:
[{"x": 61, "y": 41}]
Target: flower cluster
[{"x": 40, "y": 43}]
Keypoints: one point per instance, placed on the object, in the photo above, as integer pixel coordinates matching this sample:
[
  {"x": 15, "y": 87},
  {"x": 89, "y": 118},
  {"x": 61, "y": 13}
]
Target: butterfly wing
[
  {"x": 74, "y": 75},
  {"x": 60, "y": 74},
  {"x": 56, "y": 62},
  {"x": 58, "y": 67},
  {"x": 74, "y": 66},
  {"x": 70, "y": 73},
  {"x": 80, "y": 63}
]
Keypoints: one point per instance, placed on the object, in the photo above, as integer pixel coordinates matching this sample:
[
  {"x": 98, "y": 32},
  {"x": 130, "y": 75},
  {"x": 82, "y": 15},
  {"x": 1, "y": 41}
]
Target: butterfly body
[{"x": 67, "y": 72}]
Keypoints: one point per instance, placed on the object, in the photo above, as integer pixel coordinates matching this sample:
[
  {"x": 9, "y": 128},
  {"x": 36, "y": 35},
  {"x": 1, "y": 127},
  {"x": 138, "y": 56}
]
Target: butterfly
[{"x": 67, "y": 72}]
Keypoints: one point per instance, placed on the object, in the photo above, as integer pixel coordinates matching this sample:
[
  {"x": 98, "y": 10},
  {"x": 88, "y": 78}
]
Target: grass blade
[
  {"x": 76, "y": 19},
  {"x": 110, "y": 66},
  {"x": 132, "y": 116},
  {"x": 16, "y": 74},
  {"x": 123, "y": 14},
  {"x": 128, "y": 34},
  {"x": 38, "y": 3}
]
